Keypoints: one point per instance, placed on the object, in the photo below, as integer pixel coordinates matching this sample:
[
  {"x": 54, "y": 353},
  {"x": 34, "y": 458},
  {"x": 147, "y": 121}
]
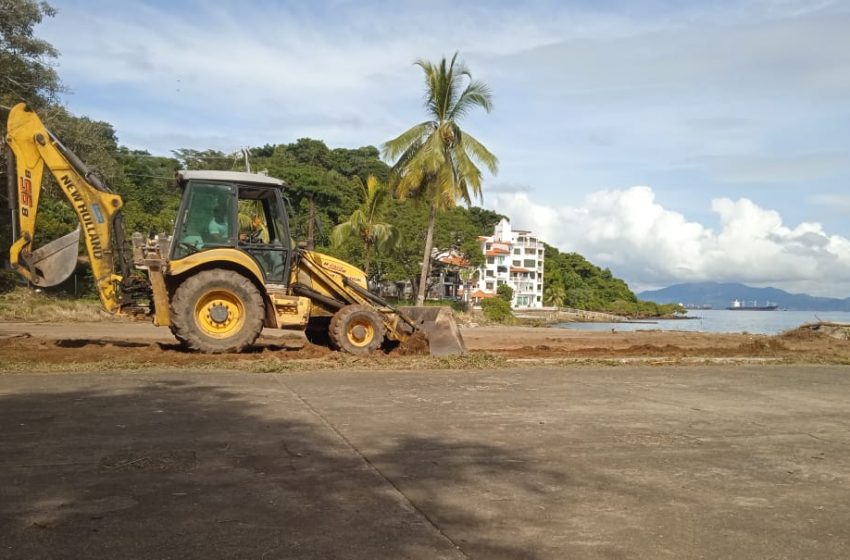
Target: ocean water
[{"x": 723, "y": 321}]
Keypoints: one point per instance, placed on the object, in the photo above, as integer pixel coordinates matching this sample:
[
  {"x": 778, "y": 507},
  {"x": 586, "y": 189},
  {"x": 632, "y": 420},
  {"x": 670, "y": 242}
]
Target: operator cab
[{"x": 232, "y": 209}]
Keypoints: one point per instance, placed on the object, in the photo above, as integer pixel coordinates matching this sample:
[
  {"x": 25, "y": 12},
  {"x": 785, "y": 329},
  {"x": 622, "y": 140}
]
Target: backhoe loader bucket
[
  {"x": 440, "y": 328},
  {"x": 53, "y": 263}
]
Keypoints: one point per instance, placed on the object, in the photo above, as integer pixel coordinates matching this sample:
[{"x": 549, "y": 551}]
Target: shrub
[
  {"x": 505, "y": 293},
  {"x": 497, "y": 310},
  {"x": 8, "y": 280}
]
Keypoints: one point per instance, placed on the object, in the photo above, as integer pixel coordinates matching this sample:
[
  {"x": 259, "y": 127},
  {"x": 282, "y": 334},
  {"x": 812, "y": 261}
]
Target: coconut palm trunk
[{"x": 426, "y": 258}]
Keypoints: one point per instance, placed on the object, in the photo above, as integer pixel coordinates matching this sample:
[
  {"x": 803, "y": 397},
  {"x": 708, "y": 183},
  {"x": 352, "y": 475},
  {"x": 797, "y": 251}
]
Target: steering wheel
[
  {"x": 254, "y": 237},
  {"x": 188, "y": 246}
]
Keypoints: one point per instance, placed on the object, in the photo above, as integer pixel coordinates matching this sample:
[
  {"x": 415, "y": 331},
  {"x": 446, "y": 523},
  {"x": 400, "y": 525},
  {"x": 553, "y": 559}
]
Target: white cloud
[{"x": 649, "y": 245}]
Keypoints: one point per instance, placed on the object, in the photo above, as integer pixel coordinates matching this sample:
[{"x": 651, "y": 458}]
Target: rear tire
[
  {"x": 357, "y": 329},
  {"x": 217, "y": 311}
]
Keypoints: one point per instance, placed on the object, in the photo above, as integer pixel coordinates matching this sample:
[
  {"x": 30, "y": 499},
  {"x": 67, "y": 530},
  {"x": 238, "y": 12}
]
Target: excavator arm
[{"x": 32, "y": 148}]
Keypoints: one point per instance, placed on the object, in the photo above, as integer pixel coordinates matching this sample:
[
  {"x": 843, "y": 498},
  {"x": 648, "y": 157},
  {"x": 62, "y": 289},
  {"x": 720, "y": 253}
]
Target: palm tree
[
  {"x": 435, "y": 159},
  {"x": 555, "y": 295},
  {"x": 366, "y": 224}
]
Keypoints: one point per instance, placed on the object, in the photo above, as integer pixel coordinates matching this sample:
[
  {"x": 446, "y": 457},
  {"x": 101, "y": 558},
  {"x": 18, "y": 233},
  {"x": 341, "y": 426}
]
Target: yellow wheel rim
[
  {"x": 360, "y": 332},
  {"x": 220, "y": 314}
]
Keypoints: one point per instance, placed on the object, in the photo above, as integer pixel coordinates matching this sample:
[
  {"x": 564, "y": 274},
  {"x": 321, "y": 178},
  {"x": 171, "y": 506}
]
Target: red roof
[
  {"x": 495, "y": 252},
  {"x": 454, "y": 260},
  {"x": 479, "y": 294},
  {"x": 518, "y": 269}
]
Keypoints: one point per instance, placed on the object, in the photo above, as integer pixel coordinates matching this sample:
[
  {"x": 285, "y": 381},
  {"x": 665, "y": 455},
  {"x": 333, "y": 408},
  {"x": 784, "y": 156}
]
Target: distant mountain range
[{"x": 720, "y": 295}]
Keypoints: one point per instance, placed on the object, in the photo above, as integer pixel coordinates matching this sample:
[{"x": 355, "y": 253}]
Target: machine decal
[
  {"x": 98, "y": 215},
  {"x": 85, "y": 216},
  {"x": 26, "y": 193},
  {"x": 333, "y": 266}
]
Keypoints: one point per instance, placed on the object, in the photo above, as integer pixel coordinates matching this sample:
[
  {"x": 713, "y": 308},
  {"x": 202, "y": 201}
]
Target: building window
[
  {"x": 538, "y": 298},
  {"x": 539, "y": 287},
  {"x": 489, "y": 274},
  {"x": 489, "y": 285},
  {"x": 517, "y": 251},
  {"x": 500, "y": 282},
  {"x": 500, "y": 260},
  {"x": 530, "y": 251},
  {"x": 488, "y": 246},
  {"x": 491, "y": 260},
  {"x": 501, "y": 269},
  {"x": 516, "y": 263},
  {"x": 529, "y": 263}
]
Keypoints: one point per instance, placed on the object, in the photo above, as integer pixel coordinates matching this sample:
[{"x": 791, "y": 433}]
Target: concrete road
[{"x": 539, "y": 464}]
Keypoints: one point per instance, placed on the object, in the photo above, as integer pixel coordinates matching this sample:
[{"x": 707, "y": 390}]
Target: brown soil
[
  {"x": 129, "y": 346},
  {"x": 415, "y": 345},
  {"x": 803, "y": 344}
]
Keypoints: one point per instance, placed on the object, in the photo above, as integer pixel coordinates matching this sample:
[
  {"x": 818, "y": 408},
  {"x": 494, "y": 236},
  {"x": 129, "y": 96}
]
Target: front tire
[
  {"x": 357, "y": 329},
  {"x": 217, "y": 311}
]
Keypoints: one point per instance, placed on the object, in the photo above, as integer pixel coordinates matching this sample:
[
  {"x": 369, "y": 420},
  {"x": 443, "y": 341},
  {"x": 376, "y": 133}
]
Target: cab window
[{"x": 206, "y": 219}]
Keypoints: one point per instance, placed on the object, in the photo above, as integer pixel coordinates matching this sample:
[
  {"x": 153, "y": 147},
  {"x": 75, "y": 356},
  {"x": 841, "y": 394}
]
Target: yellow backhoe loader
[{"x": 229, "y": 269}]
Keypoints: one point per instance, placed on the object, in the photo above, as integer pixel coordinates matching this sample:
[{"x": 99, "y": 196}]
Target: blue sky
[{"x": 670, "y": 141}]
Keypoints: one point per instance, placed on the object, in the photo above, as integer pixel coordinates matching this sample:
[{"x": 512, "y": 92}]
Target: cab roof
[{"x": 229, "y": 177}]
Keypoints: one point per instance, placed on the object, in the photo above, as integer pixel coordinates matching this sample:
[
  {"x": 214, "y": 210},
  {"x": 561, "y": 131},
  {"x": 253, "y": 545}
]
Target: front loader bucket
[
  {"x": 53, "y": 263},
  {"x": 440, "y": 328}
]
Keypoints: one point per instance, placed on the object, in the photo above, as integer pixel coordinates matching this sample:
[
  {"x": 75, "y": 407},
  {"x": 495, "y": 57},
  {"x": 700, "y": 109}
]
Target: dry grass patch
[{"x": 25, "y": 304}]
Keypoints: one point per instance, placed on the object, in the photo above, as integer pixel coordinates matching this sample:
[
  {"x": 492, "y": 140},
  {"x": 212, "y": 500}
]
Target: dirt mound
[
  {"x": 415, "y": 345},
  {"x": 818, "y": 331}
]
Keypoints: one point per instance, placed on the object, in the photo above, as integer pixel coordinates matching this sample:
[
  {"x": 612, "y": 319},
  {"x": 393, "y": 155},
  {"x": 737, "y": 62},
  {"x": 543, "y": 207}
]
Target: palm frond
[
  {"x": 392, "y": 149},
  {"x": 342, "y": 233},
  {"x": 476, "y": 94},
  {"x": 384, "y": 237},
  {"x": 477, "y": 151},
  {"x": 469, "y": 175},
  {"x": 376, "y": 196}
]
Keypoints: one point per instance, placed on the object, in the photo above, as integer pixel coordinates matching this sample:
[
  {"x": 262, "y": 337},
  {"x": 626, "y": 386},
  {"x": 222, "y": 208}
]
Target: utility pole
[
  {"x": 247, "y": 161},
  {"x": 12, "y": 202},
  {"x": 311, "y": 219}
]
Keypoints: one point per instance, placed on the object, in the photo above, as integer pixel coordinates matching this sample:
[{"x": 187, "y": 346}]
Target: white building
[{"x": 515, "y": 258}]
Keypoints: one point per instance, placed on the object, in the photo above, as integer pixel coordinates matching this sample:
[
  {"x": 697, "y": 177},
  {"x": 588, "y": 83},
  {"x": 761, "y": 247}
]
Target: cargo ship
[{"x": 738, "y": 305}]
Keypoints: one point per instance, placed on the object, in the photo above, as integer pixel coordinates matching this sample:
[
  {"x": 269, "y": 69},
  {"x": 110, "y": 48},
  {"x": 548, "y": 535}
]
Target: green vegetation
[
  {"x": 435, "y": 159},
  {"x": 457, "y": 228},
  {"x": 8, "y": 280},
  {"x": 366, "y": 223},
  {"x": 497, "y": 310},
  {"x": 505, "y": 292}
]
